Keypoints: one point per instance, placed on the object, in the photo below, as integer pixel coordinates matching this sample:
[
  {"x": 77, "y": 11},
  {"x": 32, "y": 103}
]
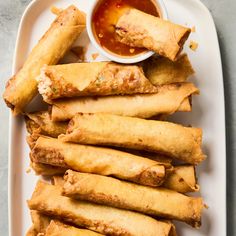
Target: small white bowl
[{"x": 111, "y": 56}]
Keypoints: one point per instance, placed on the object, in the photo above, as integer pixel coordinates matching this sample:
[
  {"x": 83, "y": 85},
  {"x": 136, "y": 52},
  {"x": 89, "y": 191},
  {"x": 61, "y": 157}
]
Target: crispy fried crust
[
  {"x": 169, "y": 99},
  {"x": 40, "y": 223},
  {"x": 182, "y": 179},
  {"x": 89, "y": 79},
  {"x": 116, "y": 193},
  {"x": 58, "y": 180},
  {"x": 98, "y": 160},
  {"x": 106, "y": 220},
  {"x": 41, "y": 123},
  {"x": 173, "y": 140},
  {"x": 163, "y": 37},
  {"x": 22, "y": 87},
  {"x": 46, "y": 170},
  {"x": 161, "y": 70}
]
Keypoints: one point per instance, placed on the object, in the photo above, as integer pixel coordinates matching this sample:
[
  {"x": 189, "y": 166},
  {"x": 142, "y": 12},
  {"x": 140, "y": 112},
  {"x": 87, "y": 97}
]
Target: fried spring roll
[
  {"x": 182, "y": 179},
  {"x": 116, "y": 193},
  {"x": 56, "y": 228},
  {"x": 46, "y": 170},
  {"x": 95, "y": 78},
  {"x": 163, "y": 37},
  {"x": 98, "y": 160},
  {"x": 106, "y": 220},
  {"x": 169, "y": 99},
  {"x": 22, "y": 87},
  {"x": 41, "y": 123},
  {"x": 160, "y": 70},
  {"x": 173, "y": 140}
]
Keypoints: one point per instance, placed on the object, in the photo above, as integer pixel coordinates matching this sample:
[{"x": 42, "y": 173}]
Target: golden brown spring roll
[
  {"x": 56, "y": 228},
  {"x": 162, "y": 36},
  {"x": 182, "y": 179},
  {"x": 161, "y": 70},
  {"x": 169, "y": 99},
  {"x": 22, "y": 87},
  {"x": 173, "y": 140},
  {"x": 46, "y": 170},
  {"x": 98, "y": 160},
  {"x": 116, "y": 193},
  {"x": 41, "y": 123},
  {"x": 106, "y": 220},
  {"x": 89, "y": 79}
]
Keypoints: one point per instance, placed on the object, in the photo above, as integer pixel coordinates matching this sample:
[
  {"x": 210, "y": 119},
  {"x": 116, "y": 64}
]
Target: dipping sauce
[{"x": 105, "y": 17}]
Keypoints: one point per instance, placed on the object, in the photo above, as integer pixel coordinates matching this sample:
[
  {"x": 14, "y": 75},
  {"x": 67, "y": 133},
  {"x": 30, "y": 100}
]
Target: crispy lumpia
[
  {"x": 95, "y": 78},
  {"x": 182, "y": 179},
  {"x": 41, "y": 123},
  {"x": 106, "y": 220},
  {"x": 169, "y": 99},
  {"x": 56, "y": 228},
  {"x": 160, "y": 70},
  {"x": 98, "y": 160},
  {"x": 173, "y": 140},
  {"x": 22, "y": 87},
  {"x": 163, "y": 37},
  {"x": 113, "y": 192}
]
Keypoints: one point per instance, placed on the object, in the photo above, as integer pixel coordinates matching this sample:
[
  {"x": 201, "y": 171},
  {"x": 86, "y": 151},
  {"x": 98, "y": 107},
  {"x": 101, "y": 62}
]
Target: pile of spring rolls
[{"x": 117, "y": 167}]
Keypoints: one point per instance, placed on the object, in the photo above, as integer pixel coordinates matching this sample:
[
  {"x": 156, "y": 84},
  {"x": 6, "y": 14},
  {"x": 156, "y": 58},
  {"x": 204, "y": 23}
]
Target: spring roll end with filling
[
  {"x": 22, "y": 87},
  {"x": 163, "y": 37},
  {"x": 92, "y": 79}
]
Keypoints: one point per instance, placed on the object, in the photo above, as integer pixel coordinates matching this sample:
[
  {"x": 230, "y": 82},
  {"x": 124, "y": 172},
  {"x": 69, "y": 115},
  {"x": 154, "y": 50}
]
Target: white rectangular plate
[{"x": 208, "y": 112}]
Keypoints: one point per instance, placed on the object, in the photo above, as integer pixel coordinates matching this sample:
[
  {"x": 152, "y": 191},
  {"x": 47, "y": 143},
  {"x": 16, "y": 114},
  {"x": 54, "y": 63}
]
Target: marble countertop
[{"x": 224, "y": 15}]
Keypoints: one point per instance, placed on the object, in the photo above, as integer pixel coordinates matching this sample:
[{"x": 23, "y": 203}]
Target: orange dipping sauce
[{"x": 105, "y": 17}]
